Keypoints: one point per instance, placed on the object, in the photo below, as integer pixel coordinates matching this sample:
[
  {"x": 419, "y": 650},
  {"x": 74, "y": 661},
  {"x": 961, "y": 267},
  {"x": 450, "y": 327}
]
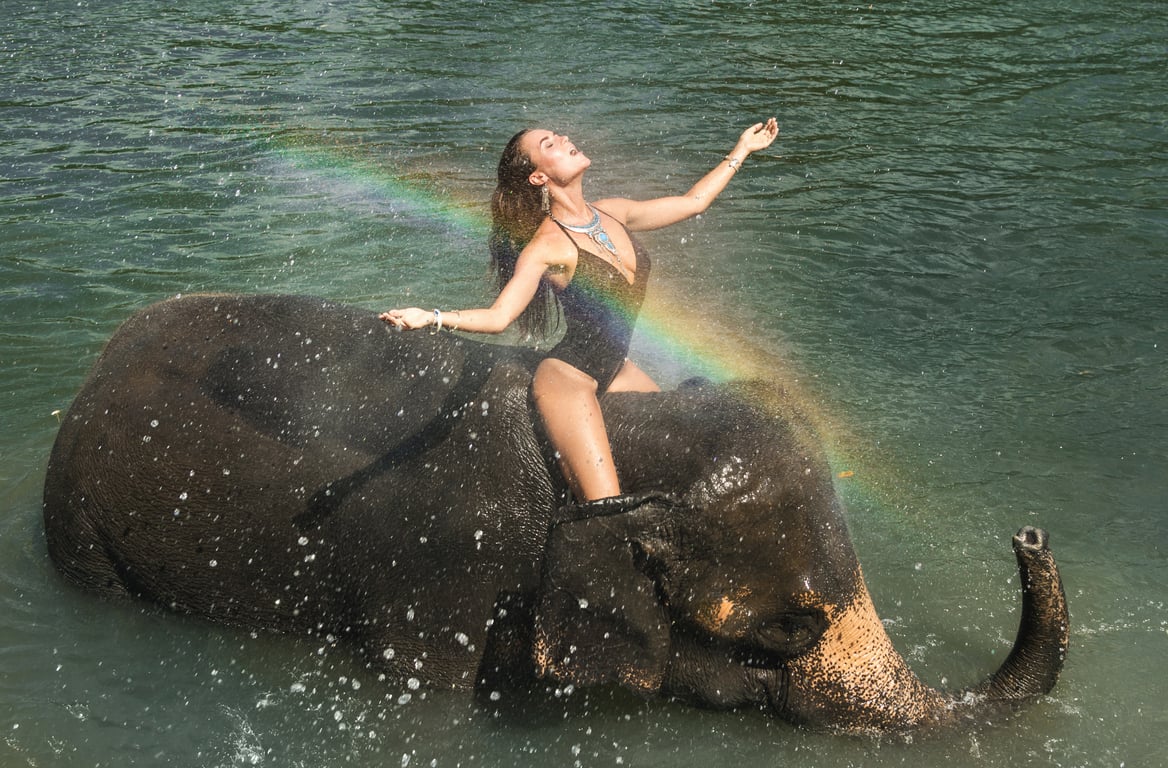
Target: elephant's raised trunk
[
  {"x": 1033, "y": 666},
  {"x": 855, "y": 679}
]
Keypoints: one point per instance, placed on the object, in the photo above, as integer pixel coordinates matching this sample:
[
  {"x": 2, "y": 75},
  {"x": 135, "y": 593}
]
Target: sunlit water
[{"x": 955, "y": 254}]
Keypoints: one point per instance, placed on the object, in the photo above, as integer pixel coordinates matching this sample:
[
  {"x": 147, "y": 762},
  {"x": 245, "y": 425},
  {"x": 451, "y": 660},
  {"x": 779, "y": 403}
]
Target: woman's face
[{"x": 554, "y": 156}]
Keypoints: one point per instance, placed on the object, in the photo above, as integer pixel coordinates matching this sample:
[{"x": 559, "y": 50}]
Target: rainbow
[
  {"x": 347, "y": 176},
  {"x": 664, "y": 337}
]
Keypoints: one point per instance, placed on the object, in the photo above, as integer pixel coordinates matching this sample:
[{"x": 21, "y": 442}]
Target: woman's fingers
[
  {"x": 394, "y": 317},
  {"x": 761, "y": 135}
]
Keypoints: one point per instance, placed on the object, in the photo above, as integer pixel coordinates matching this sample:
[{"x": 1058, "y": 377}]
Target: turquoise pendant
[{"x": 595, "y": 232}]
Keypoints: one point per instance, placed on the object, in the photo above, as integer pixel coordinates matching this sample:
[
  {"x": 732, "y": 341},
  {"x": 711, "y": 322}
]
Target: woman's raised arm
[{"x": 641, "y": 215}]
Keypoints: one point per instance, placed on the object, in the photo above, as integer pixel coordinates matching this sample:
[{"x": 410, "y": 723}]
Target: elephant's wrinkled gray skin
[{"x": 288, "y": 463}]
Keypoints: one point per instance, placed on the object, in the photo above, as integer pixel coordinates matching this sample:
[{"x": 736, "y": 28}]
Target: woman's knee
[{"x": 631, "y": 378}]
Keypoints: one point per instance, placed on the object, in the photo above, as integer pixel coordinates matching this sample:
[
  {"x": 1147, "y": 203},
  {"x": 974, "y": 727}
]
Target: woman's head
[
  {"x": 554, "y": 158},
  {"x": 534, "y": 160}
]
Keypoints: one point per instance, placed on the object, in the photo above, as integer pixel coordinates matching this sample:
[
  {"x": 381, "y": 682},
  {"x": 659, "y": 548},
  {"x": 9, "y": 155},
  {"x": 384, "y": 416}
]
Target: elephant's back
[
  {"x": 294, "y": 366},
  {"x": 265, "y": 439}
]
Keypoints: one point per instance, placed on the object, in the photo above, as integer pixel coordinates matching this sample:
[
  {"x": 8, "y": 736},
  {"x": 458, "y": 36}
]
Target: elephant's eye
[{"x": 793, "y": 632}]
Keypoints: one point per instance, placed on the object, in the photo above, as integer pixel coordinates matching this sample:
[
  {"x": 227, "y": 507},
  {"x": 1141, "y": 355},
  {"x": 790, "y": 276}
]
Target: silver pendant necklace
[{"x": 595, "y": 232}]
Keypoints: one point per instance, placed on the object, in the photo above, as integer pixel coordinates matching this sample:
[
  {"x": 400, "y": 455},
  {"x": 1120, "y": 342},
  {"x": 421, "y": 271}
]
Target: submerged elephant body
[{"x": 289, "y": 463}]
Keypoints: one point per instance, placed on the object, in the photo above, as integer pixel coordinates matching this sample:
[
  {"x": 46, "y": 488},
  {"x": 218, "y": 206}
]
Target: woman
[{"x": 548, "y": 241}]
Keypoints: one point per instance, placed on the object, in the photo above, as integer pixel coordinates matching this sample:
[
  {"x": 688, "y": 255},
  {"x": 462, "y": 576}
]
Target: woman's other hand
[{"x": 410, "y": 319}]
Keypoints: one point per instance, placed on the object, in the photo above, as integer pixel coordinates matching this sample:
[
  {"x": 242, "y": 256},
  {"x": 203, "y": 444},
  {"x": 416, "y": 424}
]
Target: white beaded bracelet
[{"x": 437, "y": 321}]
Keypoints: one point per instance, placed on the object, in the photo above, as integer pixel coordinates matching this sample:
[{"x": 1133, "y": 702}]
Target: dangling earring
[{"x": 545, "y": 200}]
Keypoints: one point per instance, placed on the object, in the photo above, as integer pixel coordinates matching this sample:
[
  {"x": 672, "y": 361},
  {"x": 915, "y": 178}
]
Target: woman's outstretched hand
[
  {"x": 758, "y": 136},
  {"x": 409, "y": 319}
]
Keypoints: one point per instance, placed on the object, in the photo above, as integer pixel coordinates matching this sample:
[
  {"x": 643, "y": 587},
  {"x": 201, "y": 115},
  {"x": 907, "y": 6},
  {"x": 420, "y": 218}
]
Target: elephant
[{"x": 295, "y": 464}]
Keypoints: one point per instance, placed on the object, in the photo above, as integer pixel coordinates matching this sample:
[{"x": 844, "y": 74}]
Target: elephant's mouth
[{"x": 774, "y": 684}]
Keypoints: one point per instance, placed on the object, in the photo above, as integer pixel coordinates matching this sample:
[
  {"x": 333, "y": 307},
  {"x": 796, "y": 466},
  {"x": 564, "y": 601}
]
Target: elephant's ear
[{"x": 599, "y": 617}]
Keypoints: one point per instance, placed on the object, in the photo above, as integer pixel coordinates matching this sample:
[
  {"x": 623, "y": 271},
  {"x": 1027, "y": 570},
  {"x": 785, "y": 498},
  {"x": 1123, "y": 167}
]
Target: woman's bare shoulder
[
  {"x": 616, "y": 207},
  {"x": 551, "y": 245}
]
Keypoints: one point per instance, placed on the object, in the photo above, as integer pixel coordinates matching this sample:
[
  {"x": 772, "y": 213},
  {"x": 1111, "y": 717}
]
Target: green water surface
[{"x": 955, "y": 253}]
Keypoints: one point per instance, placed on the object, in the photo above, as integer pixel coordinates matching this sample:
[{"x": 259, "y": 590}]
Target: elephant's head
[{"x": 746, "y": 592}]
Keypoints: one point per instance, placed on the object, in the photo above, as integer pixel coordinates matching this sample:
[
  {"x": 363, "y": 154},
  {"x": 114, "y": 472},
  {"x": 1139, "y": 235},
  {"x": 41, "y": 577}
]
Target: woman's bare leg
[
  {"x": 630, "y": 378},
  {"x": 566, "y": 400}
]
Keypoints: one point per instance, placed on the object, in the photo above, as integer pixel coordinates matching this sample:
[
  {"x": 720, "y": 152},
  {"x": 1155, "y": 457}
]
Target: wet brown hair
[{"x": 516, "y": 213}]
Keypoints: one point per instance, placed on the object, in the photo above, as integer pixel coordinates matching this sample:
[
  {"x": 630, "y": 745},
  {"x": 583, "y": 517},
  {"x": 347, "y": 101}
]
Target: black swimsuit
[{"x": 600, "y": 307}]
